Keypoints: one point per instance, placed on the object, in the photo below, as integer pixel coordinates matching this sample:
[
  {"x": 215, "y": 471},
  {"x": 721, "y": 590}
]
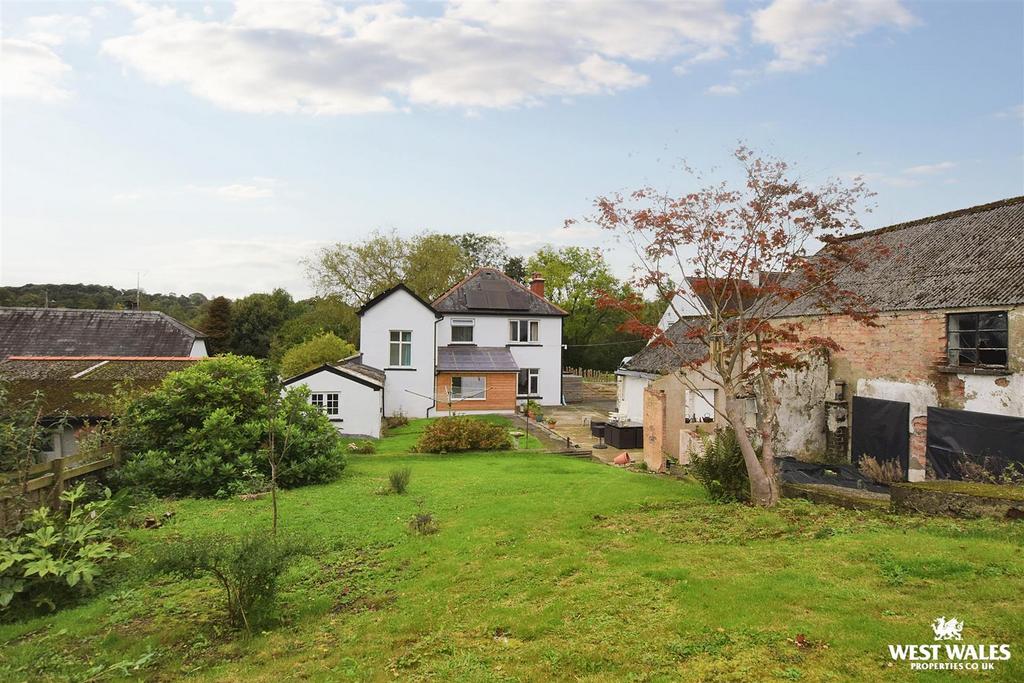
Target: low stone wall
[{"x": 958, "y": 499}]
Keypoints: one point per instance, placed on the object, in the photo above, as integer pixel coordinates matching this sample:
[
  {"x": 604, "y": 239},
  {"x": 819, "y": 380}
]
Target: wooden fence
[
  {"x": 591, "y": 375},
  {"x": 43, "y": 483}
]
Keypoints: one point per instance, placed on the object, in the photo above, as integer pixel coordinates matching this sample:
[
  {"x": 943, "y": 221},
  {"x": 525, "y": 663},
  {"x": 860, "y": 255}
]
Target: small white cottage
[{"x": 350, "y": 393}]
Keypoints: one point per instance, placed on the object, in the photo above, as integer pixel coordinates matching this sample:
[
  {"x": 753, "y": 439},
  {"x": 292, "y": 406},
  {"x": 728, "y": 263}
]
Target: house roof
[
  {"x": 490, "y": 291},
  {"x": 475, "y": 359},
  {"x": 351, "y": 368},
  {"x": 661, "y": 359},
  {"x": 965, "y": 258},
  {"x": 388, "y": 292},
  {"x": 80, "y": 386},
  {"x": 86, "y": 332}
]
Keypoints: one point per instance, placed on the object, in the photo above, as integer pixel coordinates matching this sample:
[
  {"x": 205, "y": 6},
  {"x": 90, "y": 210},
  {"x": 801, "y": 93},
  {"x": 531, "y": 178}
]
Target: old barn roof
[
  {"x": 488, "y": 290},
  {"x": 81, "y": 387},
  {"x": 970, "y": 257},
  {"x": 85, "y": 332},
  {"x": 661, "y": 359}
]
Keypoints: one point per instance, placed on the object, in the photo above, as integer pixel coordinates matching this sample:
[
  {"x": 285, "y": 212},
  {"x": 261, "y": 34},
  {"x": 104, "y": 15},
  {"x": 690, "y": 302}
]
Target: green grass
[
  {"x": 970, "y": 488},
  {"x": 547, "y": 568},
  {"x": 401, "y": 440}
]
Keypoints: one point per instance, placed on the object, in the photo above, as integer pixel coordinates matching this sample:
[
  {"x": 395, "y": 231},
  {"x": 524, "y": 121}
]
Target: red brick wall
[
  {"x": 909, "y": 346},
  {"x": 501, "y": 392}
]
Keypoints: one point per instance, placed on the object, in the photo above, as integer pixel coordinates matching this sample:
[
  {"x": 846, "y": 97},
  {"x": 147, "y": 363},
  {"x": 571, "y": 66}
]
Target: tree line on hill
[{"x": 297, "y": 335}]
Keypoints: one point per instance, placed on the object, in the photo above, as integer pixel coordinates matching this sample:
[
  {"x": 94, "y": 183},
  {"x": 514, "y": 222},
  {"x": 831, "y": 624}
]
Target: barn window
[{"x": 977, "y": 339}]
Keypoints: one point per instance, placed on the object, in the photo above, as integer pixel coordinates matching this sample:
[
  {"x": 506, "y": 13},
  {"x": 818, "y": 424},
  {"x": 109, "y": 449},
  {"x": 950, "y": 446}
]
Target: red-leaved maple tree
[{"x": 735, "y": 267}]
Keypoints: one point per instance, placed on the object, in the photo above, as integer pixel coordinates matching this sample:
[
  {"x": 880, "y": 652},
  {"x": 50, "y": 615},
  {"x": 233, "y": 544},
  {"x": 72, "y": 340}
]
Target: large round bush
[{"x": 210, "y": 425}]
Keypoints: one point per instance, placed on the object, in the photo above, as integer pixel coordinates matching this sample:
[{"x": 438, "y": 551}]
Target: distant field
[{"x": 548, "y": 567}]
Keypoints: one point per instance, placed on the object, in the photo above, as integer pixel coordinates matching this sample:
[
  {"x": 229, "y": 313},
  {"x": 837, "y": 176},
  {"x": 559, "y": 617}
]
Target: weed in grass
[
  {"x": 423, "y": 523},
  {"x": 399, "y": 479},
  {"x": 895, "y": 573}
]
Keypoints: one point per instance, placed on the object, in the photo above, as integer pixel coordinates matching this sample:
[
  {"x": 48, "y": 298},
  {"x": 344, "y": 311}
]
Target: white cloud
[
  {"x": 723, "y": 90},
  {"x": 30, "y": 70},
  {"x": 56, "y": 29},
  {"x": 242, "y": 192},
  {"x": 930, "y": 169},
  {"x": 803, "y": 33},
  {"x": 1014, "y": 112},
  {"x": 319, "y": 58}
]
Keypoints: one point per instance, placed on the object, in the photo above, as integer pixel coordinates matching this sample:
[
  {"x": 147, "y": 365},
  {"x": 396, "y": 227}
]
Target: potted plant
[{"x": 551, "y": 422}]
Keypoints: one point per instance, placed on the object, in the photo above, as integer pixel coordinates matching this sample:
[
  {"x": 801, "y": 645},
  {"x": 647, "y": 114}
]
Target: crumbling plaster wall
[{"x": 801, "y": 411}]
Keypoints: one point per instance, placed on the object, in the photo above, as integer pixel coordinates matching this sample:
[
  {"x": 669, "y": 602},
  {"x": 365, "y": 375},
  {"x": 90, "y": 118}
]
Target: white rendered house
[
  {"x": 483, "y": 346},
  {"x": 349, "y": 393}
]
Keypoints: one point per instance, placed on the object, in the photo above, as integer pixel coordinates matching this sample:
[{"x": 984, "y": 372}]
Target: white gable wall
[
  {"x": 359, "y": 406},
  {"x": 410, "y": 390},
  {"x": 198, "y": 349},
  {"x": 545, "y": 354}
]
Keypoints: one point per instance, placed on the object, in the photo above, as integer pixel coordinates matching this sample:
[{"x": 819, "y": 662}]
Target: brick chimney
[{"x": 537, "y": 284}]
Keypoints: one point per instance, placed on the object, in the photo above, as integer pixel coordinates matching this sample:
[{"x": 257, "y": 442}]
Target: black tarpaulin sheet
[
  {"x": 994, "y": 441},
  {"x": 798, "y": 472},
  {"x": 881, "y": 429}
]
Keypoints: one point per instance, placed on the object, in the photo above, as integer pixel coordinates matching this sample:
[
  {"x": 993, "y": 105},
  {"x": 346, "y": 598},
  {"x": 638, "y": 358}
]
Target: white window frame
[
  {"x": 476, "y": 394},
  {"x": 532, "y": 382},
  {"x": 400, "y": 343},
  {"x": 532, "y": 331},
  {"x": 463, "y": 322},
  {"x": 323, "y": 400}
]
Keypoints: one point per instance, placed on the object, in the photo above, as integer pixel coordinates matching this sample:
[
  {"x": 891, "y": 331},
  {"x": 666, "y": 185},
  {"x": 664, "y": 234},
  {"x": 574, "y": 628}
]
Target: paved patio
[{"x": 573, "y": 421}]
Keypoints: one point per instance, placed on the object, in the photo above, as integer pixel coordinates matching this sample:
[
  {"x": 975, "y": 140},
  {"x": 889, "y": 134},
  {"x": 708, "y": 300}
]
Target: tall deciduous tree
[
  {"x": 428, "y": 263},
  {"x": 575, "y": 278},
  {"x": 317, "y": 316},
  {"x": 734, "y": 243},
  {"x": 325, "y": 348},
  {"x": 255, "y": 319}
]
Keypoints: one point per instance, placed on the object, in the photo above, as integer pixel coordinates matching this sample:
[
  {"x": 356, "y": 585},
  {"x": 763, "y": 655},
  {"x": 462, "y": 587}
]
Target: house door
[{"x": 880, "y": 429}]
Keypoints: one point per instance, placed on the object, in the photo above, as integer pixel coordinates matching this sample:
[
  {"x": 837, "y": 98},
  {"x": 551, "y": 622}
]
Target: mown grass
[{"x": 547, "y": 568}]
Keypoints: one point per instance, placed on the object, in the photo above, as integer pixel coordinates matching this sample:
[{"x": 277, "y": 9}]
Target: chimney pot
[{"x": 537, "y": 284}]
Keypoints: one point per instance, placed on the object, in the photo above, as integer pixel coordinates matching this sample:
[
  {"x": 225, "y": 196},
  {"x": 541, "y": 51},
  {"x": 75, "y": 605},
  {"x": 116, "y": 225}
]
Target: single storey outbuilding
[{"x": 349, "y": 392}]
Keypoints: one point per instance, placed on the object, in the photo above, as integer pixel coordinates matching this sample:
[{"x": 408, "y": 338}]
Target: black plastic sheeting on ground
[
  {"x": 881, "y": 429},
  {"x": 992, "y": 440},
  {"x": 798, "y": 472}
]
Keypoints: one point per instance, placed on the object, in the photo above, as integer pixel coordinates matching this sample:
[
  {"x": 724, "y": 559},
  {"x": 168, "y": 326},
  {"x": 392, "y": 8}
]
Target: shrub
[
  {"x": 423, "y": 523},
  {"x": 452, "y": 434},
  {"x": 247, "y": 567},
  {"x": 362, "y": 447},
  {"x": 393, "y": 421},
  {"x": 988, "y": 470},
  {"x": 204, "y": 427},
  {"x": 55, "y": 557},
  {"x": 881, "y": 472},
  {"x": 399, "y": 479},
  {"x": 325, "y": 348},
  {"x": 720, "y": 467}
]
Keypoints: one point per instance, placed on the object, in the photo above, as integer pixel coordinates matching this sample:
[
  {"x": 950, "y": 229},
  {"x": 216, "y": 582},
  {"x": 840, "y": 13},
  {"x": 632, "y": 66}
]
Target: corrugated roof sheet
[
  {"x": 488, "y": 290},
  {"x": 475, "y": 359},
  {"x": 661, "y": 359},
  {"x": 970, "y": 257},
  {"x": 86, "y": 332}
]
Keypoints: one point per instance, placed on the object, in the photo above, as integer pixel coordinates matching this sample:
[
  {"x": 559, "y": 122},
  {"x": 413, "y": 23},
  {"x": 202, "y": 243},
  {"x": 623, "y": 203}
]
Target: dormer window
[
  {"x": 523, "y": 331},
  {"x": 462, "y": 330},
  {"x": 977, "y": 339}
]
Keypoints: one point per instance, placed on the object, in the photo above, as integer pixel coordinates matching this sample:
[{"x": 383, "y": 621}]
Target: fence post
[
  {"x": 116, "y": 455},
  {"x": 57, "y": 468}
]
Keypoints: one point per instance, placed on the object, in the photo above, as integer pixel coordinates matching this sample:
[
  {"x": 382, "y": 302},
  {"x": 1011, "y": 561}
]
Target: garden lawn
[{"x": 547, "y": 567}]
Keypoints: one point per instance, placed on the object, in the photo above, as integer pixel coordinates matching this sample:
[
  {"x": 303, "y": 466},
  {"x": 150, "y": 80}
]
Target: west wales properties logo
[{"x": 952, "y": 653}]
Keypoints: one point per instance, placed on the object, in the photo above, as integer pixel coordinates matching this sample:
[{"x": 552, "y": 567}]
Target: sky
[{"x": 211, "y": 147}]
